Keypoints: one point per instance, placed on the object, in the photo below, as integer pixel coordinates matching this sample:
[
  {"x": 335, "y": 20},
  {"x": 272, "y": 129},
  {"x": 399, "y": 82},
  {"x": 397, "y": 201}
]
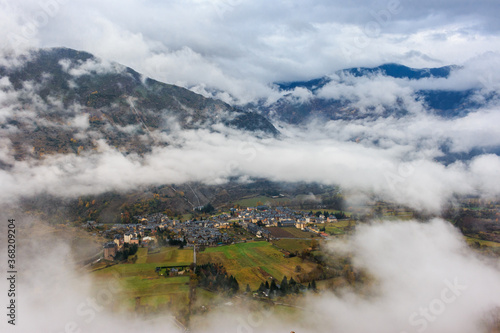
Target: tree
[
  {"x": 208, "y": 208},
  {"x": 284, "y": 285},
  {"x": 273, "y": 285},
  {"x": 233, "y": 284}
]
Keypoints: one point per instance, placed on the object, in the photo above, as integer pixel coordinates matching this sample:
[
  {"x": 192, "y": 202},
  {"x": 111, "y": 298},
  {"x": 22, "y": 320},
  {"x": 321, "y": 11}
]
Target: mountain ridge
[{"x": 60, "y": 86}]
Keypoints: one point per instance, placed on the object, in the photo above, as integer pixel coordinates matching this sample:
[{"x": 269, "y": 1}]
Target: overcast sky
[{"x": 241, "y": 46}]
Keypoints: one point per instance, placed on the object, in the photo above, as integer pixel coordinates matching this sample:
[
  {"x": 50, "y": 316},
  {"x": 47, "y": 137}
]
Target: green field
[
  {"x": 142, "y": 255},
  {"x": 340, "y": 224},
  {"x": 141, "y": 287},
  {"x": 334, "y": 230},
  {"x": 253, "y": 262},
  {"x": 337, "y": 228},
  {"x": 171, "y": 255},
  {"x": 471, "y": 240},
  {"x": 293, "y": 245},
  {"x": 158, "y": 291},
  {"x": 252, "y": 202}
]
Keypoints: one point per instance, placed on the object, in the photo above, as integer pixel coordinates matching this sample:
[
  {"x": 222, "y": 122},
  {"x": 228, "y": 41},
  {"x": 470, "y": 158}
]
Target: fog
[
  {"x": 425, "y": 278},
  {"x": 400, "y": 167}
]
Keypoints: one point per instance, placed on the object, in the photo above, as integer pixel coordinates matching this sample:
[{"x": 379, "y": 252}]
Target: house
[
  {"x": 127, "y": 237},
  {"x": 331, "y": 218},
  {"x": 286, "y": 223},
  {"x": 148, "y": 239},
  {"x": 118, "y": 240},
  {"x": 300, "y": 225},
  {"x": 110, "y": 250}
]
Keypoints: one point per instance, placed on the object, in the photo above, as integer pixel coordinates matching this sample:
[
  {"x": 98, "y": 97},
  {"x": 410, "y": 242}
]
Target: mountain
[
  {"x": 445, "y": 103},
  {"x": 62, "y": 100},
  {"x": 402, "y": 72}
]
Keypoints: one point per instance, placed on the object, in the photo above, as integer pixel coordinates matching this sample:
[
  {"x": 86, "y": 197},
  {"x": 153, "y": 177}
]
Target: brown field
[
  {"x": 297, "y": 233},
  {"x": 290, "y": 232},
  {"x": 280, "y": 232}
]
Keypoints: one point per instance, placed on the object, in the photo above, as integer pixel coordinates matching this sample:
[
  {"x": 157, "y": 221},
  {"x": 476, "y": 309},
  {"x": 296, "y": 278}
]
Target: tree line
[
  {"x": 285, "y": 287},
  {"x": 214, "y": 277}
]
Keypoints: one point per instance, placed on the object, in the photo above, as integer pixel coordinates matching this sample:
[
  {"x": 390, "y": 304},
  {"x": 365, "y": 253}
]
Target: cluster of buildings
[
  {"x": 280, "y": 217},
  {"x": 203, "y": 233},
  {"x": 257, "y": 219},
  {"x": 131, "y": 233},
  {"x": 119, "y": 241},
  {"x": 207, "y": 233}
]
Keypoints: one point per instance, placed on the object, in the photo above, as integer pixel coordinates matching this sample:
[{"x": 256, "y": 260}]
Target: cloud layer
[
  {"x": 240, "y": 46},
  {"x": 400, "y": 167},
  {"x": 394, "y": 158},
  {"x": 425, "y": 279}
]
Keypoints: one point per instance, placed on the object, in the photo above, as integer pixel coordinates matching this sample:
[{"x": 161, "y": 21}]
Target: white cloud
[
  {"x": 241, "y": 46},
  {"x": 401, "y": 168},
  {"x": 426, "y": 280},
  {"x": 424, "y": 277}
]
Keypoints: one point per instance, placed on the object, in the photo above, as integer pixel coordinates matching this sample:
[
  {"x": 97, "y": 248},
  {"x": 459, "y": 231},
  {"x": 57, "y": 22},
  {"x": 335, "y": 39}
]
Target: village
[{"x": 262, "y": 222}]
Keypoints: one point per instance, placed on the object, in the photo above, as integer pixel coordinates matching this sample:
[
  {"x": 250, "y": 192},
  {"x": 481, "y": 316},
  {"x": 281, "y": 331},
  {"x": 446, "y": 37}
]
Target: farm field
[
  {"x": 337, "y": 228},
  {"x": 253, "y": 262},
  {"x": 293, "y": 245},
  {"x": 290, "y": 232},
  {"x": 157, "y": 292},
  {"x": 142, "y": 288},
  {"x": 297, "y": 233},
  {"x": 278, "y": 232},
  {"x": 171, "y": 255},
  {"x": 331, "y": 229},
  {"x": 142, "y": 255},
  {"x": 471, "y": 240},
  {"x": 252, "y": 202},
  {"x": 340, "y": 224}
]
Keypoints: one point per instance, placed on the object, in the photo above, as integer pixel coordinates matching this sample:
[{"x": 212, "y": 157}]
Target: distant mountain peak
[{"x": 402, "y": 72}]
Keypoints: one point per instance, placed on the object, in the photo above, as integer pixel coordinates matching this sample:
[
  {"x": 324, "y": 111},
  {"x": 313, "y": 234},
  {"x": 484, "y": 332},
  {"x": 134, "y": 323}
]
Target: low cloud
[
  {"x": 424, "y": 279},
  {"x": 427, "y": 280},
  {"x": 401, "y": 169},
  {"x": 391, "y": 157}
]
